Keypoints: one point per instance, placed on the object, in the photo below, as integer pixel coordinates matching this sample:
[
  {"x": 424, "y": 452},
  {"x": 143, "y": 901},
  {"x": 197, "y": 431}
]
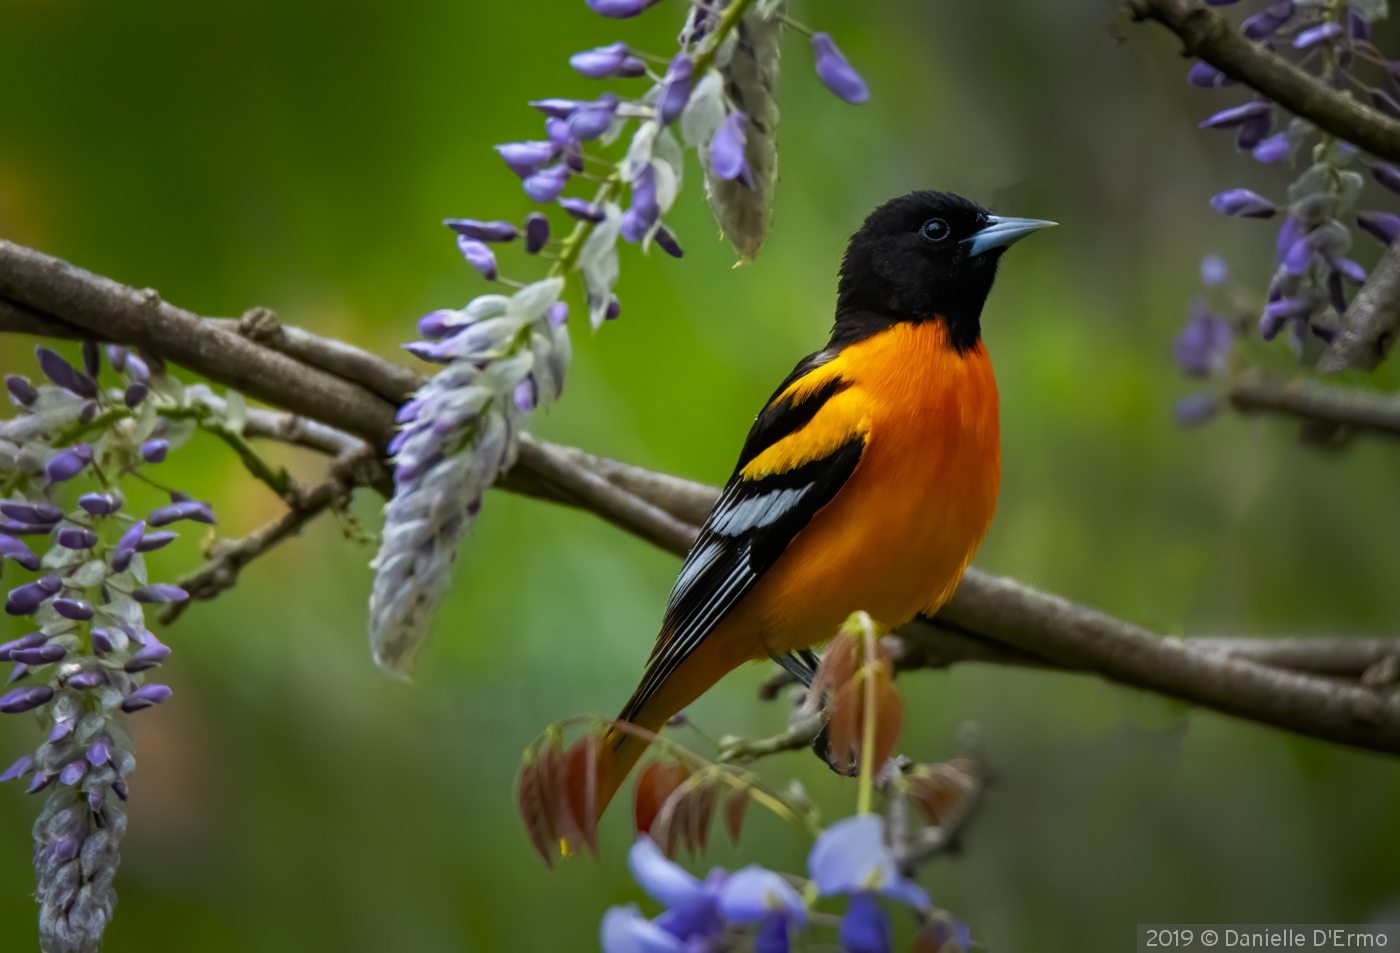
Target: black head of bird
[{"x": 925, "y": 256}]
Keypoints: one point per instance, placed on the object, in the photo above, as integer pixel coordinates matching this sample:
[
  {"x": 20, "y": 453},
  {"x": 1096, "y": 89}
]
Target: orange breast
[{"x": 896, "y": 539}]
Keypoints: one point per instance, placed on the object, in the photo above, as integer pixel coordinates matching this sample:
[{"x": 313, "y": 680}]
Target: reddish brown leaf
[
  {"x": 671, "y": 821},
  {"x": 734, "y": 810},
  {"x": 846, "y": 717},
  {"x": 702, "y": 815},
  {"x": 535, "y": 809},
  {"x": 554, "y": 779},
  {"x": 586, "y": 769},
  {"x": 889, "y": 713},
  {"x": 654, "y": 785}
]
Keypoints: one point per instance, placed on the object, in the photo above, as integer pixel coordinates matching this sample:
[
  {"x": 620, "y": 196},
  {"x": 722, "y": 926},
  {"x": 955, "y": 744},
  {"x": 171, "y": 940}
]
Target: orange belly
[{"x": 896, "y": 540}]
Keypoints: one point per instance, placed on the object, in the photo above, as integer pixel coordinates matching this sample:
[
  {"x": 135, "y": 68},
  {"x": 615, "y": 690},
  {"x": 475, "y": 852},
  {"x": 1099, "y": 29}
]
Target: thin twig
[{"x": 229, "y": 557}]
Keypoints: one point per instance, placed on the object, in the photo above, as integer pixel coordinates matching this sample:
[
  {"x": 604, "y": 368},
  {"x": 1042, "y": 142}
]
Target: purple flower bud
[
  {"x": 39, "y": 655},
  {"x": 557, "y": 108},
  {"x": 558, "y": 132},
  {"x": 1387, "y": 175},
  {"x": 154, "y": 451},
  {"x": 119, "y": 789},
  {"x": 727, "y": 157},
  {"x": 1350, "y": 270},
  {"x": 95, "y": 801},
  {"x": 25, "y": 699},
  {"x": 591, "y": 120},
  {"x": 1278, "y": 313},
  {"x": 135, "y": 394},
  {"x": 1317, "y": 34},
  {"x": 160, "y": 592},
  {"x": 478, "y": 255},
  {"x": 584, "y": 210},
  {"x": 536, "y": 232},
  {"x": 37, "y": 514},
  {"x": 61, "y": 730},
  {"x": 65, "y": 848},
  {"x": 137, "y": 368},
  {"x": 92, "y": 358},
  {"x": 600, "y": 62},
  {"x": 18, "y": 770},
  {"x": 619, "y": 9},
  {"x": 24, "y": 642},
  {"x": 21, "y": 390},
  {"x": 75, "y": 609},
  {"x": 126, "y": 546},
  {"x": 1267, "y": 23},
  {"x": 184, "y": 510},
  {"x": 26, "y": 599},
  {"x": 19, "y": 552},
  {"x": 1236, "y": 115},
  {"x": 87, "y": 411},
  {"x": 72, "y": 773},
  {"x": 614, "y": 310},
  {"x": 76, "y": 537},
  {"x": 1204, "y": 75},
  {"x": 67, "y": 464},
  {"x": 527, "y": 158},
  {"x": 1357, "y": 27},
  {"x": 1383, "y": 226},
  {"x": 558, "y": 314},
  {"x": 64, "y": 374},
  {"x": 1273, "y": 149},
  {"x": 1253, "y": 131},
  {"x": 98, "y": 755},
  {"x": 1386, "y": 103},
  {"x": 668, "y": 242},
  {"x": 675, "y": 89},
  {"x": 644, "y": 211},
  {"x": 836, "y": 74},
  {"x": 425, "y": 351},
  {"x": 1243, "y": 202},
  {"x": 153, "y": 654},
  {"x": 483, "y": 231},
  {"x": 1299, "y": 258},
  {"x": 85, "y": 680},
  {"x": 101, "y": 642},
  {"x": 116, "y": 356},
  {"x": 1214, "y": 271},
  {"x": 99, "y": 504},
  {"x": 145, "y": 697},
  {"x": 547, "y": 185},
  {"x": 525, "y": 394},
  {"x": 38, "y": 783},
  {"x": 436, "y": 325},
  {"x": 1196, "y": 409}
]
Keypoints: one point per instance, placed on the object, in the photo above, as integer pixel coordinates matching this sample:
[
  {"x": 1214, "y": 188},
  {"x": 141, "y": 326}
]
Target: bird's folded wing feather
[{"x": 802, "y": 449}]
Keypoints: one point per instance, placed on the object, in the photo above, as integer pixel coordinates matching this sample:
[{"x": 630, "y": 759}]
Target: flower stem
[
  {"x": 612, "y": 185},
  {"x": 867, "y": 739}
]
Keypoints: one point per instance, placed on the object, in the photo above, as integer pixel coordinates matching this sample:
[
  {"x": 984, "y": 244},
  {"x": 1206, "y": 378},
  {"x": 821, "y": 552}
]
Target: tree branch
[
  {"x": 1371, "y": 320},
  {"x": 1210, "y": 36},
  {"x": 1010, "y": 619},
  {"x": 1330, "y": 407}
]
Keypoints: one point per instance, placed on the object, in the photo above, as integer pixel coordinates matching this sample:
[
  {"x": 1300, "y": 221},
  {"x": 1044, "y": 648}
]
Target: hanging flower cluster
[
  {"x": 83, "y": 667},
  {"x": 1313, "y": 278},
  {"x": 507, "y": 356}
]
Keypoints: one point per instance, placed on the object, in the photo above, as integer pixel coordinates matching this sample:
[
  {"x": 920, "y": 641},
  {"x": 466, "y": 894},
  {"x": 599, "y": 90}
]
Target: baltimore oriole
[{"x": 867, "y": 481}]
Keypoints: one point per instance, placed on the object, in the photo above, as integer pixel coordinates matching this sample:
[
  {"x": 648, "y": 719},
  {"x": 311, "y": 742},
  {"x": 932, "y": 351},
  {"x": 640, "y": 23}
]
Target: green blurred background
[{"x": 299, "y": 154}]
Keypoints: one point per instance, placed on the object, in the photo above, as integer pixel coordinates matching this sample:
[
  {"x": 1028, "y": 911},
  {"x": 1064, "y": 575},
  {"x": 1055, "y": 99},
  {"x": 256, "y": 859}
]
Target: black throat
[{"x": 868, "y": 303}]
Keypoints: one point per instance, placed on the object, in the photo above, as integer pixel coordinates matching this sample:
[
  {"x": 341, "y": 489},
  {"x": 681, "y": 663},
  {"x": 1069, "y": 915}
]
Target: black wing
[{"x": 750, "y": 526}]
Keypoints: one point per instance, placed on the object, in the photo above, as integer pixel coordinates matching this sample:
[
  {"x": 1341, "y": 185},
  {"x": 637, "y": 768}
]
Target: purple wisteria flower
[
  {"x": 527, "y": 158},
  {"x": 536, "y": 232},
  {"x": 1203, "y": 348},
  {"x": 601, "y": 62},
  {"x": 835, "y": 73},
  {"x": 1194, "y": 410},
  {"x": 479, "y": 256},
  {"x": 675, "y": 89},
  {"x": 852, "y": 858},
  {"x": 1383, "y": 226},
  {"x": 1269, "y": 21},
  {"x": 483, "y": 231},
  {"x": 619, "y": 9}
]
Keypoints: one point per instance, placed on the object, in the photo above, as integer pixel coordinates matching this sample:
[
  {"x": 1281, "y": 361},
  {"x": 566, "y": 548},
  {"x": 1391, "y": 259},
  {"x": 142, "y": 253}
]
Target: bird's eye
[{"x": 934, "y": 230}]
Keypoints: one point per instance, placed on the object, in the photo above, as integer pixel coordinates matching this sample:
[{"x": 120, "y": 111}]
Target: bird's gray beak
[{"x": 1002, "y": 231}]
